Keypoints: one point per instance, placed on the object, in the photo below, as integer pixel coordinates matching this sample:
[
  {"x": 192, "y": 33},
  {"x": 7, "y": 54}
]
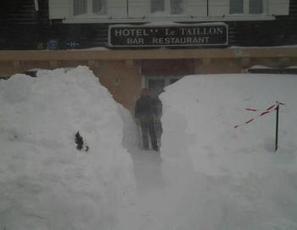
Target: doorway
[{"x": 157, "y": 83}]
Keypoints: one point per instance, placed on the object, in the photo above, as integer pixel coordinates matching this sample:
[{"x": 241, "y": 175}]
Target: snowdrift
[
  {"x": 45, "y": 182},
  {"x": 231, "y": 178}
]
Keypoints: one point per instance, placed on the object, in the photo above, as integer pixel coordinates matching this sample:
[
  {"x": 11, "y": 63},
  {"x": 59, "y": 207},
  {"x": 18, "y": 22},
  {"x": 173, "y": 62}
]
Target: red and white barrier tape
[{"x": 264, "y": 112}]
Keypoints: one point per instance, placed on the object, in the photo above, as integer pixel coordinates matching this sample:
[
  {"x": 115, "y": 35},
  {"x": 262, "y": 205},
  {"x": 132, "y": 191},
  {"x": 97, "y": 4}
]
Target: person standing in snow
[{"x": 148, "y": 111}]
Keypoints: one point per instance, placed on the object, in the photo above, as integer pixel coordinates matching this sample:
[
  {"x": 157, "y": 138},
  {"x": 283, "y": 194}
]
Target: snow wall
[
  {"x": 231, "y": 178},
  {"x": 45, "y": 182}
]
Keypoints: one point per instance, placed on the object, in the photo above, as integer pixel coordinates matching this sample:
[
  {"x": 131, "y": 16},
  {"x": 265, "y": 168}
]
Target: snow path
[
  {"x": 172, "y": 196},
  {"x": 167, "y": 192},
  {"x": 168, "y": 196},
  {"x": 154, "y": 200}
]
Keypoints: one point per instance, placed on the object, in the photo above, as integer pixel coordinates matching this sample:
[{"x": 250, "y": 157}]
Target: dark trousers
[{"x": 148, "y": 130}]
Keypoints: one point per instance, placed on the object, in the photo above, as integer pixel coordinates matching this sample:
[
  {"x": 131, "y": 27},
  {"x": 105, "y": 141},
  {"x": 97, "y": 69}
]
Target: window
[
  {"x": 236, "y": 6},
  {"x": 168, "y": 6},
  {"x": 256, "y": 7},
  {"x": 79, "y": 7},
  {"x": 177, "y": 6},
  {"x": 99, "y": 7},
  {"x": 246, "y": 6},
  {"x": 157, "y": 6}
]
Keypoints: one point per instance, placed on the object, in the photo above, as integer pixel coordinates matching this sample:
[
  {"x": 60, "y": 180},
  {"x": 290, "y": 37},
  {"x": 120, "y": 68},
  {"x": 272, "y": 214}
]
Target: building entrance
[{"x": 157, "y": 83}]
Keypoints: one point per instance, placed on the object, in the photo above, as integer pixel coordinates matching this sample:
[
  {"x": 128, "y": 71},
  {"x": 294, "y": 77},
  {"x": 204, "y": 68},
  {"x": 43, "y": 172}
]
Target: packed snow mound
[
  {"x": 206, "y": 109},
  {"x": 235, "y": 179},
  {"x": 45, "y": 181}
]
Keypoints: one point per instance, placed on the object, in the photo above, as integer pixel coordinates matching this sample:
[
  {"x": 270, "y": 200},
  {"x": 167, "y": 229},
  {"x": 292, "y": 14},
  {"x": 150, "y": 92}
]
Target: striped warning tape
[{"x": 261, "y": 114}]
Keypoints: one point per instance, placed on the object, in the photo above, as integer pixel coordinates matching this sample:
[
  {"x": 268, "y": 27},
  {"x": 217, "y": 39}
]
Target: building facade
[
  {"x": 132, "y": 44},
  {"x": 31, "y": 24},
  {"x": 98, "y": 11}
]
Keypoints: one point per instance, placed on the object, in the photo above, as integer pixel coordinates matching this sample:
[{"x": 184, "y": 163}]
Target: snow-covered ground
[{"x": 208, "y": 175}]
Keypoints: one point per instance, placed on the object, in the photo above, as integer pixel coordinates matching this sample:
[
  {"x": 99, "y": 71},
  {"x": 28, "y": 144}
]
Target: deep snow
[
  {"x": 208, "y": 175},
  {"x": 45, "y": 182},
  {"x": 237, "y": 181}
]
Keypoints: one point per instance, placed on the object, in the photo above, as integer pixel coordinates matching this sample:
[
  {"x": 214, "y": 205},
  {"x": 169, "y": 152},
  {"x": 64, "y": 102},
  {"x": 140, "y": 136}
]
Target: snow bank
[
  {"x": 235, "y": 180},
  {"x": 45, "y": 182}
]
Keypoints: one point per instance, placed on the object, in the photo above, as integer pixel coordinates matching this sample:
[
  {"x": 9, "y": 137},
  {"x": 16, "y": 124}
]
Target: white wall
[
  {"x": 197, "y": 8},
  {"x": 218, "y": 7},
  {"x": 117, "y": 8},
  {"x": 59, "y": 9},
  {"x": 139, "y": 10},
  {"x": 278, "y": 7}
]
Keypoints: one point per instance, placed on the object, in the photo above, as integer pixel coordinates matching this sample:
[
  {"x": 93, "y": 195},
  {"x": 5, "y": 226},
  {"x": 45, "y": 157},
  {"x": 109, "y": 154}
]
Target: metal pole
[
  {"x": 276, "y": 127},
  {"x": 207, "y": 8}
]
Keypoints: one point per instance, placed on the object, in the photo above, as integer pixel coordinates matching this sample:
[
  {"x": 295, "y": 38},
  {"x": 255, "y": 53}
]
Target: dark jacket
[{"x": 148, "y": 107}]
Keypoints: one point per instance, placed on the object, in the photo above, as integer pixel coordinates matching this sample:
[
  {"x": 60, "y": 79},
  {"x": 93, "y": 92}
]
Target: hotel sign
[{"x": 175, "y": 35}]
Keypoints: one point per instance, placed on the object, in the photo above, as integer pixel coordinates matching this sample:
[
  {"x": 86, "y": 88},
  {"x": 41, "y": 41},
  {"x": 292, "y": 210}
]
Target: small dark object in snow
[
  {"x": 80, "y": 145},
  {"x": 79, "y": 141}
]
